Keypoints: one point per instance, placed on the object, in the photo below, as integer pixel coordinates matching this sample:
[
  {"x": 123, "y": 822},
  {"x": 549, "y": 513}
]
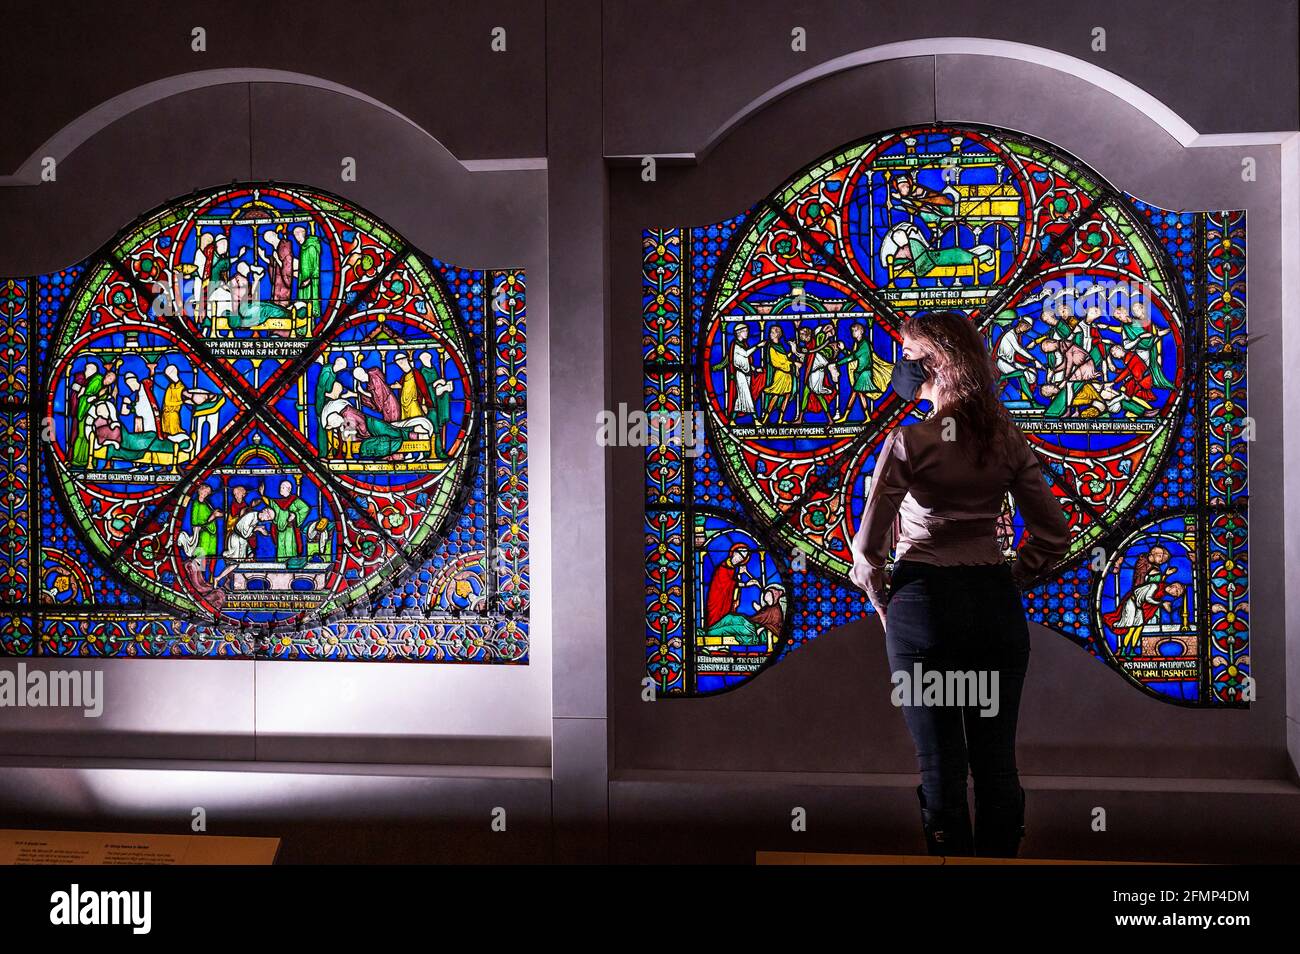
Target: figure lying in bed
[
  {"x": 111, "y": 441},
  {"x": 376, "y": 438},
  {"x": 373, "y": 428}
]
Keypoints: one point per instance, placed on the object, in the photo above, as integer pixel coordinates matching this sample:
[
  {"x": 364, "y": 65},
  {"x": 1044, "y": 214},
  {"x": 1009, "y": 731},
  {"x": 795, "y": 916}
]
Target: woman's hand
[{"x": 860, "y": 574}]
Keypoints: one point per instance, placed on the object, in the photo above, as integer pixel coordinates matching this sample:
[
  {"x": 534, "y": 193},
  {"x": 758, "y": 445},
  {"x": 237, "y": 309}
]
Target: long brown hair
[{"x": 964, "y": 379}]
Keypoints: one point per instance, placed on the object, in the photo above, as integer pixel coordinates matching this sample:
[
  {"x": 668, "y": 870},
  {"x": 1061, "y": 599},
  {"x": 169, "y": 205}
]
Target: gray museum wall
[
  {"x": 420, "y": 60},
  {"x": 677, "y": 70}
]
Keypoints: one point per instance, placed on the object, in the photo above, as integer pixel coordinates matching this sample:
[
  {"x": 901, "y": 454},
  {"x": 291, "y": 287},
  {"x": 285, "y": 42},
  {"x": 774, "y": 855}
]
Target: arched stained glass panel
[{"x": 1118, "y": 330}]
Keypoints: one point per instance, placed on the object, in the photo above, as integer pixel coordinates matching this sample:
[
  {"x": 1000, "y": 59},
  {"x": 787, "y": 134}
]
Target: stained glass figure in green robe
[
  {"x": 89, "y": 382},
  {"x": 291, "y": 513},
  {"x": 308, "y": 267}
]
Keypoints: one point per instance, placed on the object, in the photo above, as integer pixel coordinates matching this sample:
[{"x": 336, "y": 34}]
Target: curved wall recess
[
  {"x": 1150, "y": 155},
  {"x": 282, "y": 127},
  {"x": 70, "y": 137},
  {"x": 1148, "y": 105}
]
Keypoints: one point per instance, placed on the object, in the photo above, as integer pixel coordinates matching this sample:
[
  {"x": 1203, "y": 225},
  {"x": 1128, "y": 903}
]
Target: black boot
[
  {"x": 999, "y": 827},
  {"x": 946, "y": 832}
]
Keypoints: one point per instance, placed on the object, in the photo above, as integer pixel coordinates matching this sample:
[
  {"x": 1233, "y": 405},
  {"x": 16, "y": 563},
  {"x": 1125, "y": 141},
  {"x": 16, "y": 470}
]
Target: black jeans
[{"x": 960, "y": 619}]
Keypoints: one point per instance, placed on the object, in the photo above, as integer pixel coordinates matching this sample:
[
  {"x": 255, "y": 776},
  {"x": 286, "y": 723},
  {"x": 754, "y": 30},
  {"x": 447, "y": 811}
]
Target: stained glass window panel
[
  {"x": 261, "y": 424},
  {"x": 1118, "y": 330}
]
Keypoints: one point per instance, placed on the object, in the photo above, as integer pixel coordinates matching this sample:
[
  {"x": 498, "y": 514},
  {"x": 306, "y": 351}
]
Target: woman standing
[{"x": 953, "y": 604}]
